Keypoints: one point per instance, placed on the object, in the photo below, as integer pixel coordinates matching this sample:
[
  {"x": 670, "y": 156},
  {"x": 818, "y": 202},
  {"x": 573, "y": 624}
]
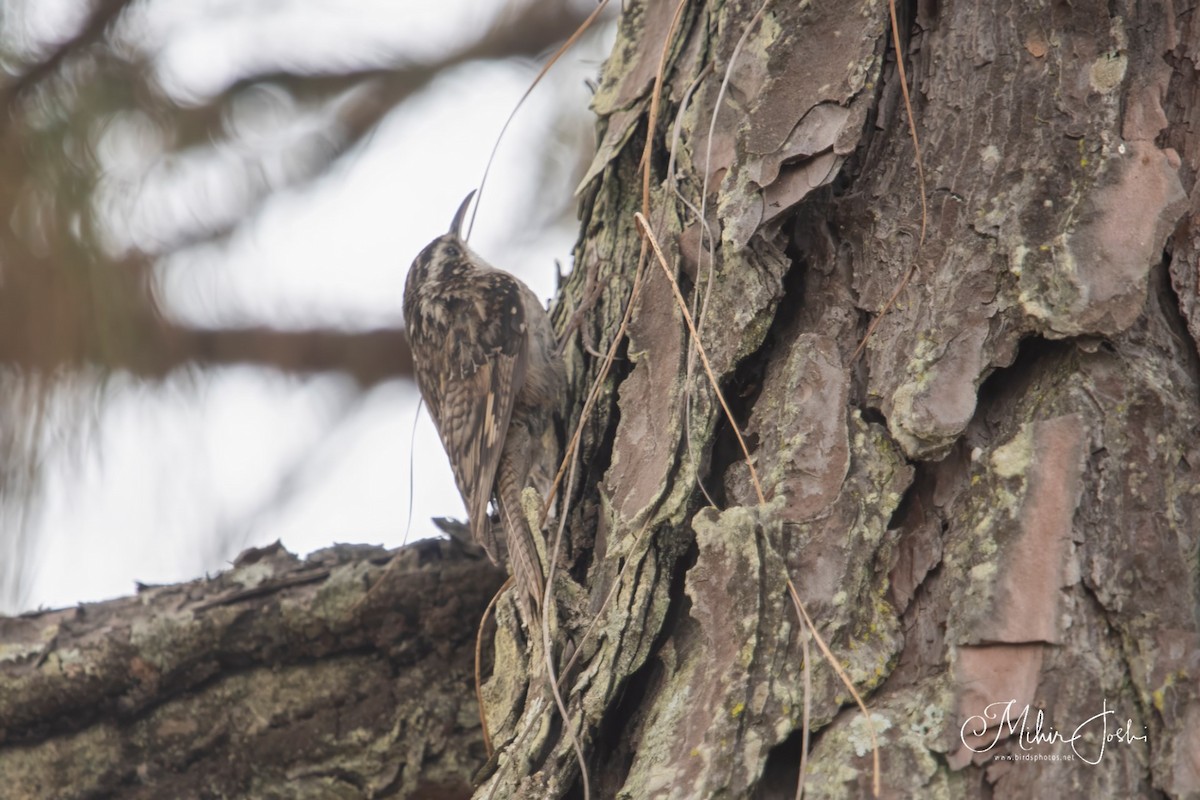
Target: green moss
[
  {"x": 337, "y": 597},
  {"x": 163, "y": 640}
]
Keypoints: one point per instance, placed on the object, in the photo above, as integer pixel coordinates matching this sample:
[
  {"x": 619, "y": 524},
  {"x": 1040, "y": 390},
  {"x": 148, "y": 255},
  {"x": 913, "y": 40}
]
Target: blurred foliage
[{"x": 113, "y": 156}]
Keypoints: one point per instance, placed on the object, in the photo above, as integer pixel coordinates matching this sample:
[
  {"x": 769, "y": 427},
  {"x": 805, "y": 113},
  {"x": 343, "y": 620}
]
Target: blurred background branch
[{"x": 149, "y": 156}]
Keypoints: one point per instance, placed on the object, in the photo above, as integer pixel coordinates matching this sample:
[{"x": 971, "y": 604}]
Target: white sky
[{"x": 177, "y": 472}]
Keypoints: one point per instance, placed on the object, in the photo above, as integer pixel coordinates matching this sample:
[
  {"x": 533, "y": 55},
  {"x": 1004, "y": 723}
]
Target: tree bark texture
[
  {"x": 343, "y": 676},
  {"x": 998, "y": 503}
]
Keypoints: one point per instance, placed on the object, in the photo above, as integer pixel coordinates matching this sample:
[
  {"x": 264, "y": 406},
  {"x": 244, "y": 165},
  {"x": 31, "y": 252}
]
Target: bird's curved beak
[{"x": 460, "y": 215}]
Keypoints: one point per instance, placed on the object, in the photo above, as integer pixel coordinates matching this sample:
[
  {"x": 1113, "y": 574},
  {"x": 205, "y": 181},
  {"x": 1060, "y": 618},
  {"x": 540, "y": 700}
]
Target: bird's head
[{"x": 448, "y": 255}]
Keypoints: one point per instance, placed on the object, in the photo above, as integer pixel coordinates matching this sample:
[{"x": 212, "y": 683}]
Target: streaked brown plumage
[{"x": 486, "y": 363}]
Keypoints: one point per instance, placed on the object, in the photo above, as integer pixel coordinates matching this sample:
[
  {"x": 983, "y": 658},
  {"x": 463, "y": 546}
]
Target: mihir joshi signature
[{"x": 999, "y": 717}]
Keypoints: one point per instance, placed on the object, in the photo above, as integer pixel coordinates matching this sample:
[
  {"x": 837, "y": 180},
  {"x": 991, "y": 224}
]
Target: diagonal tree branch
[{"x": 103, "y": 15}]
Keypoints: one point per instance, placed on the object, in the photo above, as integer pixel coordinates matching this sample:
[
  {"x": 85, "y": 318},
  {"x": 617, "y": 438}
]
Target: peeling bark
[{"x": 969, "y": 511}]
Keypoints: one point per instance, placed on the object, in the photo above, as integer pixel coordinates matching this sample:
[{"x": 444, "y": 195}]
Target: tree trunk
[
  {"x": 996, "y": 509},
  {"x": 992, "y": 516}
]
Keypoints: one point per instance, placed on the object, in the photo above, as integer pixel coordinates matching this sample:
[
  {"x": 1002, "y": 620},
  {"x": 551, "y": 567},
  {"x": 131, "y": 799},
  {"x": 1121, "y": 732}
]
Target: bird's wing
[{"x": 471, "y": 400}]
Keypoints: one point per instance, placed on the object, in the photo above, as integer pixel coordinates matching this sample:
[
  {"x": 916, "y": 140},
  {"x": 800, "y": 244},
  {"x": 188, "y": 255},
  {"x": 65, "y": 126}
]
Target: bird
[{"x": 487, "y": 365}]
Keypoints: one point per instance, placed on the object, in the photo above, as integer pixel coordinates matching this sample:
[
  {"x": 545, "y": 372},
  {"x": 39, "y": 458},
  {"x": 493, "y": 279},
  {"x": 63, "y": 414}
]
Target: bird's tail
[{"x": 523, "y": 556}]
